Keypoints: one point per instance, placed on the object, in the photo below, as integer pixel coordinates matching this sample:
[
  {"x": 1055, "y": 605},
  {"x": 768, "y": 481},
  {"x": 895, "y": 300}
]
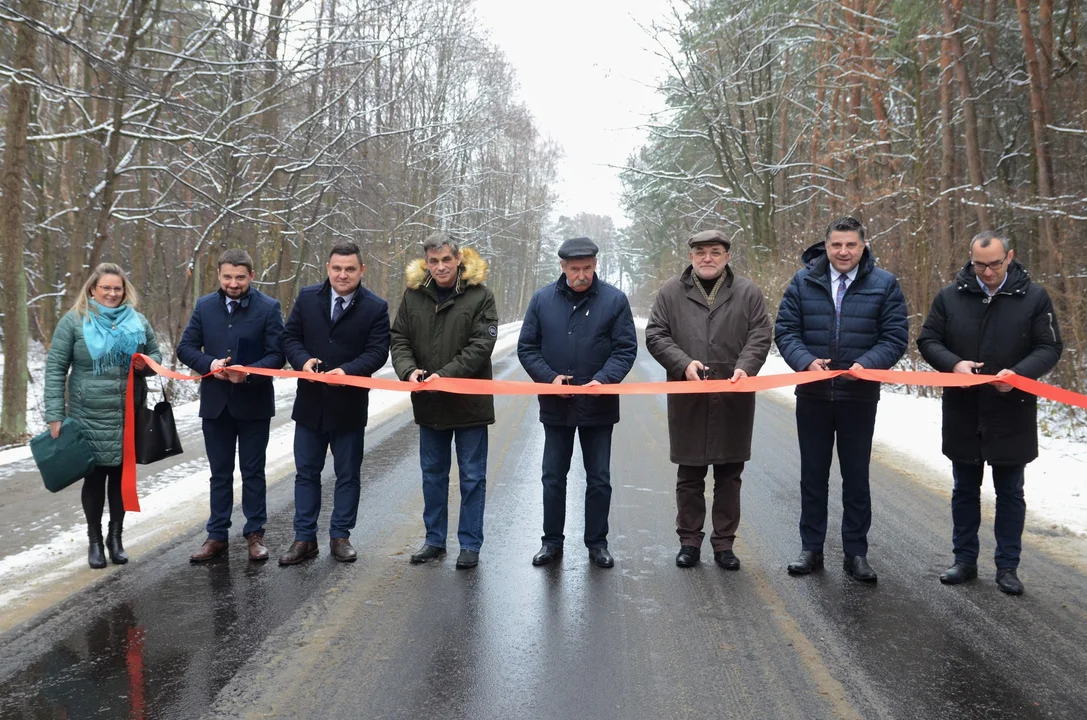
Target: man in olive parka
[{"x": 447, "y": 326}]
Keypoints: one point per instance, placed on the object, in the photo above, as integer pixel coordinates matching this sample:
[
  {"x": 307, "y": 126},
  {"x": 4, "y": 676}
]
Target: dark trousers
[
  {"x": 596, "y": 452},
  {"x": 221, "y": 436},
  {"x": 818, "y": 424},
  {"x": 310, "y": 447},
  {"x": 94, "y": 494},
  {"x": 435, "y": 460},
  {"x": 1011, "y": 512},
  {"x": 691, "y": 504}
]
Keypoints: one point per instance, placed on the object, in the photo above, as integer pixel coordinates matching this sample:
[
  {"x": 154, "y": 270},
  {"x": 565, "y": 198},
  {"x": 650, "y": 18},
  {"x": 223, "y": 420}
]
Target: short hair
[
  {"x": 846, "y": 223},
  {"x": 130, "y": 296},
  {"x": 438, "y": 240},
  {"x": 985, "y": 239},
  {"x": 346, "y": 248},
  {"x": 235, "y": 256}
]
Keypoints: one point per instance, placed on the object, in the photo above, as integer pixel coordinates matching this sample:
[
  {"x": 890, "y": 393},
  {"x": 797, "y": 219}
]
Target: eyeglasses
[
  {"x": 110, "y": 290},
  {"x": 994, "y": 266},
  {"x": 716, "y": 253}
]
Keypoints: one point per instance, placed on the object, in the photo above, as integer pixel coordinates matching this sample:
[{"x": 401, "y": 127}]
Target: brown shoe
[
  {"x": 257, "y": 551},
  {"x": 300, "y": 550},
  {"x": 210, "y": 548},
  {"x": 341, "y": 550}
]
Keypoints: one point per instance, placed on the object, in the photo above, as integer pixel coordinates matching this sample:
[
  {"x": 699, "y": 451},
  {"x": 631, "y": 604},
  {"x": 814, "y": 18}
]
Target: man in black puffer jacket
[
  {"x": 992, "y": 321},
  {"x": 840, "y": 312}
]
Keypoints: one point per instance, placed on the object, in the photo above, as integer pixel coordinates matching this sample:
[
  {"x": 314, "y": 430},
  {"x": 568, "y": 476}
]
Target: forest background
[{"x": 156, "y": 133}]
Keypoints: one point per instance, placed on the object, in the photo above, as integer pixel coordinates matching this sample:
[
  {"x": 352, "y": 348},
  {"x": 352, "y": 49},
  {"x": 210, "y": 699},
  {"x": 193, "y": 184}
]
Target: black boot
[
  {"x": 96, "y": 553},
  {"x": 117, "y": 554}
]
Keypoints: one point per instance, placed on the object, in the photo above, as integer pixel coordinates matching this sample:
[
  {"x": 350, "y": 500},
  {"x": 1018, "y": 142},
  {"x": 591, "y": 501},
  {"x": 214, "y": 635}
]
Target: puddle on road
[{"x": 164, "y": 652}]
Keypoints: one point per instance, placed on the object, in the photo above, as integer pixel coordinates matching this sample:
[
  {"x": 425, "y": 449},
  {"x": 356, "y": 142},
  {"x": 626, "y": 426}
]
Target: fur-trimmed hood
[{"x": 473, "y": 271}]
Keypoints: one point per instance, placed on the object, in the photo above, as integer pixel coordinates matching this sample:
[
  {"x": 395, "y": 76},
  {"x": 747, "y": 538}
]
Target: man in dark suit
[
  {"x": 337, "y": 328},
  {"x": 578, "y": 330},
  {"x": 840, "y": 312},
  {"x": 238, "y": 325}
]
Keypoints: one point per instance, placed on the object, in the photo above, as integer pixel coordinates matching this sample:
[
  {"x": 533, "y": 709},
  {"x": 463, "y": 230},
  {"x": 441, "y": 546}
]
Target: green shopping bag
[{"x": 64, "y": 460}]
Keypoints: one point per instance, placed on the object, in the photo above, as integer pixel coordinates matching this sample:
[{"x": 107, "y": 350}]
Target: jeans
[
  {"x": 1011, "y": 512},
  {"x": 435, "y": 460},
  {"x": 310, "y": 447},
  {"x": 250, "y": 437},
  {"x": 819, "y": 424},
  {"x": 596, "y": 452}
]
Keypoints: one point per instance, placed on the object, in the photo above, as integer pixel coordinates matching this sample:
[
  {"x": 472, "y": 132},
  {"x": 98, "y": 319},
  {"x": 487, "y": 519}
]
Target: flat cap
[
  {"x": 578, "y": 247},
  {"x": 709, "y": 236}
]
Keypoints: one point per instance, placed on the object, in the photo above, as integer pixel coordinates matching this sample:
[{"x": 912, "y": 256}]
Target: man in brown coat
[{"x": 708, "y": 324}]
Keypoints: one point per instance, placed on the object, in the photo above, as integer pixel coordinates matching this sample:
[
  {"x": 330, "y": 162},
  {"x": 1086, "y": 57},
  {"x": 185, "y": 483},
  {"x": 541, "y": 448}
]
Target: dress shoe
[
  {"x": 467, "y": 559},
  {"x": 210, "y": 548},
  {"x": 300, "y": 550},
  {"x": 547, "y": 555},
  {"x": 601, "y": 557},
  {"x": 96, "y": 551},
  {"x": 726, "y": 559},
  {"x": 688, "y": 556},
  {"x": 117, "y": 554},
  {"x": 808, "y": 561},
  {"x": 958, "y": 573},
  {"x": 342, "y": 551},
  {"x": 858, "y": 568},
  {"x": 257, "y": 550},
  {"x": 427, "y": 553},
  {"x": 1008, "y": 581}
]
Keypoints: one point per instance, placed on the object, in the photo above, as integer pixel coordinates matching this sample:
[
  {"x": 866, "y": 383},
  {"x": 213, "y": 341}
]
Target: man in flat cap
[
  {"x": 579, "y": 331},
  {"x": 709, "y": 324},
  {"x": 840, "y": 312}
]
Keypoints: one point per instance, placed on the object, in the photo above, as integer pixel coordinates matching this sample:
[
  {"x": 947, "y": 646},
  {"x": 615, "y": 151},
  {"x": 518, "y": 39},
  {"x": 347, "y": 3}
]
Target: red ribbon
[{"x": 468, "y": 386}]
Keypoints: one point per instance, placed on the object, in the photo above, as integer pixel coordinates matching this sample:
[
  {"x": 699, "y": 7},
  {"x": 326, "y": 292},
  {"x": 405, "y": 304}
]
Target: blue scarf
[{"x": 112, "y": 335}]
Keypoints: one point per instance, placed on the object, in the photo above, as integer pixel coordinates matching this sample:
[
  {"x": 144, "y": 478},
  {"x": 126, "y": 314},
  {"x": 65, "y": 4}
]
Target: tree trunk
[
  {"x": 952, "y": 15},
  {"x": 12, "y": 241}
]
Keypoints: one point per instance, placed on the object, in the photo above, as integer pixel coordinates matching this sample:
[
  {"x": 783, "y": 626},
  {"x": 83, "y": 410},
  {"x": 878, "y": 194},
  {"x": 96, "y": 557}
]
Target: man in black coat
[
  {"x": 235, "y": 325},
  {"x": 840, "y": 312},
  {"x": 578, "y": 330},
  {"x": 991, "y": 321},
  {"x": 337, "y": 328}
]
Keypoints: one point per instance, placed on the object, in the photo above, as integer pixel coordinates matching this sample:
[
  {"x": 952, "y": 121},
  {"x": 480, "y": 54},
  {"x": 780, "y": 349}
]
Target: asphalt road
[{"x": 384, "y": 639}]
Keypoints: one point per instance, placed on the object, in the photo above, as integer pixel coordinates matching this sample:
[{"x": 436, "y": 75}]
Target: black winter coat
[
  {"x": 1016, "y": 329},
  {"x": 874, "y": 330},
  {"x": 592, "y": 340},
  {"x": 358, "y": 343}
]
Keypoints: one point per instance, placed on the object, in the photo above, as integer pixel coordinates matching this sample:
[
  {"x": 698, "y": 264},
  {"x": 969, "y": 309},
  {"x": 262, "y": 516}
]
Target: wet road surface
[{"x": 384, "y": 639}]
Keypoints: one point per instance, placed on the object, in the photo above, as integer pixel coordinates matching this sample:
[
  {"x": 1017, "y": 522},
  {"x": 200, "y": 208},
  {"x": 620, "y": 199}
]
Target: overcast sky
[{"x": 587, "y": 73}]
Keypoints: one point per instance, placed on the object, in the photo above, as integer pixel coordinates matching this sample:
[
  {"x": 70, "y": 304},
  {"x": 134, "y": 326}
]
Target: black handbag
[{"x": 156, "y": 432}]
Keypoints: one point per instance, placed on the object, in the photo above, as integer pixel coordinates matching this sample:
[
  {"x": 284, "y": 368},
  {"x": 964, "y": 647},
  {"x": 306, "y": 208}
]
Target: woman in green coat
[{"x": 96, "y": 340}]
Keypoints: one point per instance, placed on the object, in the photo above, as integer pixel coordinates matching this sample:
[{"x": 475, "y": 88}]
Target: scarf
[
  {"x": 712, "y": 295},
  {"x": 112, "y": 335}
]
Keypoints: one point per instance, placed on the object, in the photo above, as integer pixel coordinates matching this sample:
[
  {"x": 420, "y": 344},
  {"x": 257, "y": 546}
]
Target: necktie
[
  {"x": 230, "y": 306},
  {"x": 337, "y": 310},
  {"x": 842, "y": 280}
]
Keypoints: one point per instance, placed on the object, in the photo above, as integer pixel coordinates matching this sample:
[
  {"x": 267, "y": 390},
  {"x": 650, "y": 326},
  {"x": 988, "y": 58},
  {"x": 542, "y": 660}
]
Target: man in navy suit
[
  {"x": 237, "y": 325},
  {"x": 337, "y": 328}
]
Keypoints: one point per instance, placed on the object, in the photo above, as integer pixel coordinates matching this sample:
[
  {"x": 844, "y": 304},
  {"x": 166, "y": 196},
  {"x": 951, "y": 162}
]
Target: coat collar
[{"x": 688, "y": 278}]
